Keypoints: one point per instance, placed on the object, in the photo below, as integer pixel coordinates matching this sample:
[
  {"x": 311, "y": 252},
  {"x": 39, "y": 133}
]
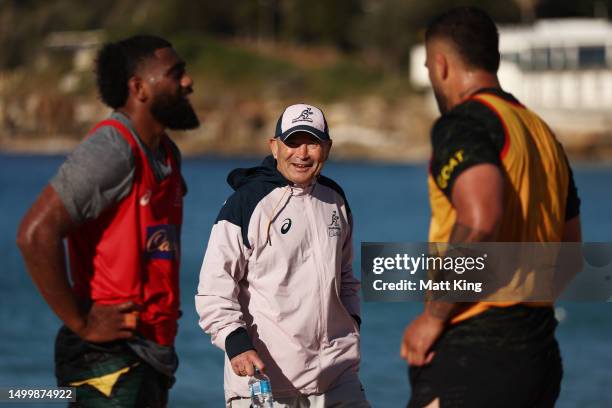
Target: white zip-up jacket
[{"x": 277, "y": 277}]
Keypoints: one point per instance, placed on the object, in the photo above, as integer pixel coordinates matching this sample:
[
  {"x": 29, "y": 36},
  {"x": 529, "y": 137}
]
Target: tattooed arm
[{"x": 477, "y": 197}]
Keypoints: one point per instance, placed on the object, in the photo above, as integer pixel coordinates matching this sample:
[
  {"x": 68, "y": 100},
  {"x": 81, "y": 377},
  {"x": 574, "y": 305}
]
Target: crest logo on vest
[
  {"x": 145, "y": 198},
  {"x": 162, "y": 242},
  {"x": 333, "y": 229}
]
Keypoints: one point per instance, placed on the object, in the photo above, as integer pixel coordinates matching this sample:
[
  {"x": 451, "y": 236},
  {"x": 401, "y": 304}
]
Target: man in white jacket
[{"x": 277, "y": 290}]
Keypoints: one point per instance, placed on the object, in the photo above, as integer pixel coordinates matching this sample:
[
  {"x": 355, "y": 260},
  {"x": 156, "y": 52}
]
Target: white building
[
  {"x": 560, "y": 68},
  {"x": 83, "y": 45}
]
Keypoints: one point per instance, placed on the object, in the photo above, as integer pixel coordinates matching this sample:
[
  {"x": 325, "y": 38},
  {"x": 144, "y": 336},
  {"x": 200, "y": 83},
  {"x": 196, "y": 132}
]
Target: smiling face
[
  {"x": 300, "y": 158},
  {"x": 170, "y": 86}
]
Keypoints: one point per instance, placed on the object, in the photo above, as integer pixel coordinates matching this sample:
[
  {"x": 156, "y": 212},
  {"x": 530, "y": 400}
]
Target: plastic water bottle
[{"x": 261, "y": 391}]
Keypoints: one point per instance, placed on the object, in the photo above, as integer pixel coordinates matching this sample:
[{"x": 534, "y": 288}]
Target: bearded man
[{"x": 118, "y": 200}]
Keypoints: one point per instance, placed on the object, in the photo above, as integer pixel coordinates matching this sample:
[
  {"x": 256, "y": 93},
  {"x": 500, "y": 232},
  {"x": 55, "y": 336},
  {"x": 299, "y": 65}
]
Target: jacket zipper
[{"x": 319, "y": 269}]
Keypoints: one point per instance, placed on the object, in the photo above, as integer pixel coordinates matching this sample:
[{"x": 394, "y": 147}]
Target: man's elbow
[
  {"x": 25, "y": 236},
  {"x": 45, "y": 224},
  {"x": 31, "y": 236}
]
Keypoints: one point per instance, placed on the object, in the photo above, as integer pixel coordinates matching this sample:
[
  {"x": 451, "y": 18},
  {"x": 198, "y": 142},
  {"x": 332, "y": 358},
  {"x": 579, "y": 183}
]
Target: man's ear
[
  {"x": 273, "y": 147},
  {"x": 137, "y": 88},
  {"x": 441, "y": 64}
]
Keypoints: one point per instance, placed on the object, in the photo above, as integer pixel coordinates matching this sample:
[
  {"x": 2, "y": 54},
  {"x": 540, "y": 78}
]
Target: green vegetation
[
  {"x": 387, "y": 27},
  {"x": 255, "y": 47},
  {"x": 242, "y": 68}
]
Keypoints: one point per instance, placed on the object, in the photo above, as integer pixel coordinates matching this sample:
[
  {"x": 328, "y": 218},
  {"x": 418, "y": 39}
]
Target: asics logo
[{"x": 286, "y": 225}]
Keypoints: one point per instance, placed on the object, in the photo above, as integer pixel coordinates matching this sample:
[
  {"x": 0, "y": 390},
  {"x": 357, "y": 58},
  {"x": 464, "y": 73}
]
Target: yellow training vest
[{"x": 535, "y": 191}]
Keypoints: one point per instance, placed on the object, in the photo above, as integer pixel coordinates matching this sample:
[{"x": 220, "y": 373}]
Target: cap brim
[{"x": 304, "y": 128}]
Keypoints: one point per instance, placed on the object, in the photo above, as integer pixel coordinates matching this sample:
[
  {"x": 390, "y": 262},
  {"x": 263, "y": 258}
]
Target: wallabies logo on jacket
[{"x": 333, "y": 229}]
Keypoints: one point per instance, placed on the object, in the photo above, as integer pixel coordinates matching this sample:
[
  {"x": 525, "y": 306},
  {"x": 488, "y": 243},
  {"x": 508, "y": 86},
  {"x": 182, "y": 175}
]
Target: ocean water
[{"x": 389, "y": 203}]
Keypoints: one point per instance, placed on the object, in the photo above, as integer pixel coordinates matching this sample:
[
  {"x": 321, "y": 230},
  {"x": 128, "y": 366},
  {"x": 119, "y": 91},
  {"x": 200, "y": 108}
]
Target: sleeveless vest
[
  {"x": 131, "y": 252},
  {"x": 536, "y": 179}
]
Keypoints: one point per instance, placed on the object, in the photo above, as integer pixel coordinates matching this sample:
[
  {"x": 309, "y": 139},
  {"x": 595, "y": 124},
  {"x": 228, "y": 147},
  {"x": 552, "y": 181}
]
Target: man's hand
[
  {"x": 243, "y": 364},
  {"x": 419, "y": 337},
  {"x": 110, "y": 322}
]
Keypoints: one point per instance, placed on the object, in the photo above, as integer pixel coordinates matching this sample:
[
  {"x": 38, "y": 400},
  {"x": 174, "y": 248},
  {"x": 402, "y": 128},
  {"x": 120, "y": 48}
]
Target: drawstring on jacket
[
  {"x": 271, "y": 219},
  {"x": 268, "y": 174}
]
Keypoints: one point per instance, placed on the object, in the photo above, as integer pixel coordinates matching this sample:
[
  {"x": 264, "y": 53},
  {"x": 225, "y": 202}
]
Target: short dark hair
[
  {"x": 117, "y": 62},
  {"x": 473, "y": 34}
]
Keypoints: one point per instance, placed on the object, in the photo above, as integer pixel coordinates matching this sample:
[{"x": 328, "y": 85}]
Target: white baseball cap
[{"x": 302, "y": 118}]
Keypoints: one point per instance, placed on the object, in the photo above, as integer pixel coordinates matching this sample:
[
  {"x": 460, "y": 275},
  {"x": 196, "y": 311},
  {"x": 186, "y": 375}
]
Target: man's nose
[
  {"x": 302, "y": 150},
  {"x": 186, "y": 81}
]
